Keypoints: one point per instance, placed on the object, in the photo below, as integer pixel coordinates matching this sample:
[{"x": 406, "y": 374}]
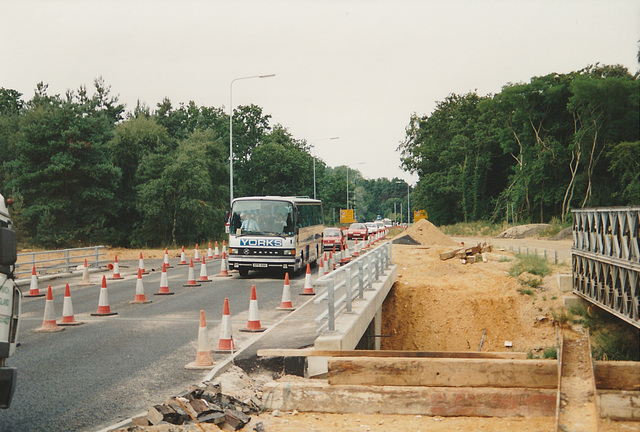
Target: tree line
[
  {"x": 82, "y": 170},
  {"x": 532, "y": 152}
]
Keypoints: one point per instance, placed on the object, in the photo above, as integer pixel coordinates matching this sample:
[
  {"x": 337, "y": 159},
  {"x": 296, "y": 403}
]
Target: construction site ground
[{"x": 438, "y": 305}]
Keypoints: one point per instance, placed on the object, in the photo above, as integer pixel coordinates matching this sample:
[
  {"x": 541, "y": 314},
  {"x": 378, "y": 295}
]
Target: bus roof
[{"x": 291, "y": 199}]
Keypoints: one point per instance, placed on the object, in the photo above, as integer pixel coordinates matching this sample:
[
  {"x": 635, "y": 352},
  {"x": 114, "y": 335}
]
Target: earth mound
[
  {"x": 425, "y": 233},
  {"x": 523, "y": 231}
]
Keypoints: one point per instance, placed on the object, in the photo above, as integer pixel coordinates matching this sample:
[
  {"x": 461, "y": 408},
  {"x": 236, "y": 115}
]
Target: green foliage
[
  {"x": 531, "y": 264},
  {"x": 550, "y": 353},
  {"x": 537, "y": 149},
  {"x": 476, "y": 228},
  {"x": 611, "y": 338}
]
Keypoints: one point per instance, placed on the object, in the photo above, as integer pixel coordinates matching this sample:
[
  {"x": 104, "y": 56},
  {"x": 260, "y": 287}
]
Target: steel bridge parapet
[{"x": 605, "y": 259}]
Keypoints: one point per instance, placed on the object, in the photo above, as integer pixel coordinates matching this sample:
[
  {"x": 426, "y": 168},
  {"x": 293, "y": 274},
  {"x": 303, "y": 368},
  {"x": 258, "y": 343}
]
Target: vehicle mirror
[{"x": 8, "y": 247}]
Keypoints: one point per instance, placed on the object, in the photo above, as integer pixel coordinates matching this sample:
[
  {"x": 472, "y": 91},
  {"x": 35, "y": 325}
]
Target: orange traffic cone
[
  {"x": 321, "y": 268},
  {"x": 210, "y": 252},
  {"x": 224, "y": 271},
  {"x": 224, "y": 245},
  {"x": 253, "y": 323},
  {"x": 33, "y": 289},
  {"x": 86, "y": 280},
  {"x": 166, "y": 258},
  {"x": 225, "y": 343},
  {"x": 203, "y": 272},
  {"x": 116, "y": 269},
  {"x": 204, "y": 357},
  {"x": 308, "y": 287},
  {"x": 67, "y": 310},
  {"x": 140, "y": 297},
  {"x": 191, "y": 278},
  {"x": 216, "y": 253},
  {"x": 346, "y": 256},
  {"x": 183, "y": 258},
  {"x": 196, "y": 254},
  {"x": 141, "y": 265},
  {"x": 356, "y": 253},
  {"x": 164, "y": 283},
  {"x": 49, "y": 322},
  {"x": 286, "y": 304},
  {"x": 103, "y": 302}
]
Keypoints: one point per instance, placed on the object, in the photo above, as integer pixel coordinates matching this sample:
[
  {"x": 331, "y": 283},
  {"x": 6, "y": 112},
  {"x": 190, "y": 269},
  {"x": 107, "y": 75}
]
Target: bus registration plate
[{"x": 259, "y": 265}]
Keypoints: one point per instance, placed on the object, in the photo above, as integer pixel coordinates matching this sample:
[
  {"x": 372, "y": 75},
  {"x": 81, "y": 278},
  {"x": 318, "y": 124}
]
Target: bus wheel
[{"x": 243, "y": 272}]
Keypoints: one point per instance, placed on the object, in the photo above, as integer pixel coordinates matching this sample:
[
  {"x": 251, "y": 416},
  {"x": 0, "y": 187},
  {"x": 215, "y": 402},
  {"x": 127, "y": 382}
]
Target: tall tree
[{"x": 62, "y": 169}]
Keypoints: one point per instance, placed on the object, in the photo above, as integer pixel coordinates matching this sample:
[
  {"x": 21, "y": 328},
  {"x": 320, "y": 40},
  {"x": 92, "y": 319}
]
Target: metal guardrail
[
  {"x": 59, "y": 260},
  {"x": 605, "y": 259},
  {"x": 348, "y": 283}
]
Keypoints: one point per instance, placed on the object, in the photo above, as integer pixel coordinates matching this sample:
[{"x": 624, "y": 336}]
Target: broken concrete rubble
[{"x": 204, "y": 404}]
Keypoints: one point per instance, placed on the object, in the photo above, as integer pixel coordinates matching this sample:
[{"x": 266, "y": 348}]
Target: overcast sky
[{"x": 353, "y": 69}]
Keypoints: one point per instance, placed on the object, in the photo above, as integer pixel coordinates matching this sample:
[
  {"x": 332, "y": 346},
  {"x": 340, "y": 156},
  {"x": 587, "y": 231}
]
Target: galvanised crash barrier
[{"x": 349, "y": 299}]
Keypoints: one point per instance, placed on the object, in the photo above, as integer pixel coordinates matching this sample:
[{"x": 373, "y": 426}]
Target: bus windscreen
[{"x": 260, "y": 217}]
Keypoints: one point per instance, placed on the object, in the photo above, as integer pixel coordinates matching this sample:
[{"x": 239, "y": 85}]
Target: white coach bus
[{"x": 274, "y": 232}]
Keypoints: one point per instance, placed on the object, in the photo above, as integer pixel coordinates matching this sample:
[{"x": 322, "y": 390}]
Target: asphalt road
[{"x": 111, "y": 368}]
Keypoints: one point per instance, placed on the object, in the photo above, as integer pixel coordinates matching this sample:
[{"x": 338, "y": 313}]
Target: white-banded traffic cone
[
  {"x": 141, "y": 265},
  {"x": 308, "y": 287},
  {"x": 86, "y": 280},
  {"x": 67, "y": 310},
  {"x": 224, "y": 270},
  {"x": 356, "y": 251},
  {"x": 321, "y": 268},
  {"x": 253, "y": 323},
  {"x": 183, "y": 258},
  {"x": 196, "y": 254},
  {"x": 103, "y": 302},
  {"x": 286, "y": 304},
  {"x": 216, "y": 252},
  {"x": 203, "y": 271},
  {"x": 166, "y": 258},
  {"x": 164, "y": 283},
  {"x": 226, "y": 343},
  {"x": 49, "y": 322},
  {"x": 116, "y": 269},
  {"x": 191, "y": 277},
  {"x": 140, "y": 298},
  {"x": 346, "y": 256},
  {"x": 33, "y": 289},
  {"x": 224, "y": 246},
  {"x": 210, "y": 252},
  {"x": 204, "y": 357}
]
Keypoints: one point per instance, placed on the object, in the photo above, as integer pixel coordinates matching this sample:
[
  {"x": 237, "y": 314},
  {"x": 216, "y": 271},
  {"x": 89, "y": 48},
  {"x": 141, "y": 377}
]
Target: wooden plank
[
  {"x": 431, "y": 372},
  {"x": 388, "y": 353},
  {"x": 618, "y": 375},
  {"x": 319, "y": 396},
  {"x": 448, "y": 255}
]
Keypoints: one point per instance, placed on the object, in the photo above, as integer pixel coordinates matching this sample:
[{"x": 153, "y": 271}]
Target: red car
[
  {"x": 333, "y": 237},
  {"x": 357, "y": 231}
]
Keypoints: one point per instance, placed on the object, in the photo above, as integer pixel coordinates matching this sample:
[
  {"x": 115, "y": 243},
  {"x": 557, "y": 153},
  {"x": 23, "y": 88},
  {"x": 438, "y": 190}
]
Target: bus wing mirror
[{"x": 8, "y": 247}]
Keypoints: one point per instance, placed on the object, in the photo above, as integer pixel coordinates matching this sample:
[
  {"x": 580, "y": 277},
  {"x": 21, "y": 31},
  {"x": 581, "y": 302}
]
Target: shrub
[{"x": 531, "y": 264}]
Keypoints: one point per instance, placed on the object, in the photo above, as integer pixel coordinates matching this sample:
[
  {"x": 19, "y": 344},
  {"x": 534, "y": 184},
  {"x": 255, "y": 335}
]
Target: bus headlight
[
  {"x": 233, "y": 251},
  {"x": 290, "y": 252}
]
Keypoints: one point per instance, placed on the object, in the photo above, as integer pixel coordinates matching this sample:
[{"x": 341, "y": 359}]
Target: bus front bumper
[{"x": 237, "y": 263}]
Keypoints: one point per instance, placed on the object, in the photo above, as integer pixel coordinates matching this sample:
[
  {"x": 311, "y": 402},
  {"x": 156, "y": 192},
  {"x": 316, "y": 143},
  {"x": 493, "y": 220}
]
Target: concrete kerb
[{"x": 221, "y": 367}]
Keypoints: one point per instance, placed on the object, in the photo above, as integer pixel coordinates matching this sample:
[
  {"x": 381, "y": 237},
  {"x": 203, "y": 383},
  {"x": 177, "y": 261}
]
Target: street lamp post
[
  {"x": 408, "y": 204},
  {"x": 314, "y": 162},
  {"x": 231, "y": 129},
  {"x": 359, "y": 163}
]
